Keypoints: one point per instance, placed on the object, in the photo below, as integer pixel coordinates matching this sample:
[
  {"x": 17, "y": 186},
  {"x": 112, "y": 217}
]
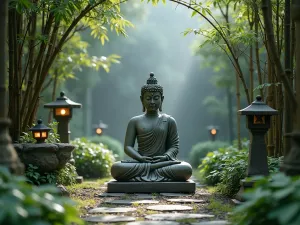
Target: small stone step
[
  {"x": 144, "y": 196},
  {"x": 111, "y": 210},
  {"x": 185, "y": 200},
  {"x": 105, "y": 194},
  {"x": 175, "y": 194},
  {"x": 109, "y": 219},
  {"x": 169, "y": 208},
  {"x": 177, "y": 216},
  {"x": 212, "y": 222},
  {"x": 153, "y": 223},
  {"x": 130, "y": 202}
]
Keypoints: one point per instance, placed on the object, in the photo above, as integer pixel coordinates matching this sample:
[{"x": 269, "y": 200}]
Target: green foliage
[
  {"x": 53, "y": 136},
  {"x": 273, "y": 200},
  {"x": 92, "y": 160},
  {"x": 22, "y": 203},
  {"x": 110, "y": 143},
  {"x": 34, "y": 177},
  {"x": 200, "y": 150},
  {"x": 227, "y": 166},
  {"x": 65, "y": 176}
]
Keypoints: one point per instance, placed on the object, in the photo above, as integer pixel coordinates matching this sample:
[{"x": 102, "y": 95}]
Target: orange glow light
[
  {"x": 98, "y": 130},
  {"x": 37, "y": 134},
  {"x": 213, "y": 131},
  {"x": 44, "y": 134},
  {"x": 62, "y": 112}
]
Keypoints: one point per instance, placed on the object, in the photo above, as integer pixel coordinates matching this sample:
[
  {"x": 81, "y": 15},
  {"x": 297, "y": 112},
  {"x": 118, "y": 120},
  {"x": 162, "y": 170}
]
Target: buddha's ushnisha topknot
[{"x": 152, "y": 86}]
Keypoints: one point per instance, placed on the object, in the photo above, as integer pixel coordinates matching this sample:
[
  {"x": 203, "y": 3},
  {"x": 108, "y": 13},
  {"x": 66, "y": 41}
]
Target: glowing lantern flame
[
  {"x": 213, "y": 131},
  {"x": 98, "y": 130}
]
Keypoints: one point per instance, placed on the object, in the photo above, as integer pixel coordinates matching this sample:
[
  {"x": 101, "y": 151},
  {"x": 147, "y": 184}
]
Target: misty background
[{"x": 156, "y": 44}]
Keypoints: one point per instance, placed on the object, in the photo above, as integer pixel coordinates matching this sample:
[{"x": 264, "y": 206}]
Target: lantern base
[
  {"x": 244, "y": 186},
  {"x": 291, "y": 164}
]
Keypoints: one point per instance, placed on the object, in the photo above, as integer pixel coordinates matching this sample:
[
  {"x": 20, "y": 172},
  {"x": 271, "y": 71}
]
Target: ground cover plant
[
  {"x": 227, "y": 166},
  {"x": 65, "y": 176},
  {"x": 92, "y": 160},
  {"x": 23, "y": 203},
  {"x": 199, "y": 151},
  {"x": 273, "y": 200}
]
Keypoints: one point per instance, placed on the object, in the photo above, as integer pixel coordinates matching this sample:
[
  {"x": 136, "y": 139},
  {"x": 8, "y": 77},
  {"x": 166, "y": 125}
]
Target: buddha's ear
[
  {"x": 162, "y": 98},
  {"x": 141, "y": 97}
]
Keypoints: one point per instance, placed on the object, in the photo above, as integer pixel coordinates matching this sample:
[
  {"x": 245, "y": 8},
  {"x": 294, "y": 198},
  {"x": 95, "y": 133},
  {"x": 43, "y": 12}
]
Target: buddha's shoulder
[
  {"x": 169, "y": 118},
  {"x": 136, "y": 118}
]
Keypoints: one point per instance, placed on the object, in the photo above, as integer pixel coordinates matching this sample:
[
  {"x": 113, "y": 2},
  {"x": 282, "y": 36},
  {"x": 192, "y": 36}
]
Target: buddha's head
[{"x": 152, "y": 95}]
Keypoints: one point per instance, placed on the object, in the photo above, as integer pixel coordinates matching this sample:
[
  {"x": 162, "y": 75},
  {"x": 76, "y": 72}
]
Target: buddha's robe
[{"x": 162, "y": 140}]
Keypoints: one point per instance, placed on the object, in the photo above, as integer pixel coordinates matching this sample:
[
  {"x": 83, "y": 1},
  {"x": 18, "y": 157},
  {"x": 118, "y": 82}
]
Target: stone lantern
[
  {"x": 100, "y": 127},
  {"x": 213, "y": 131},
  {"x": 258, "y": 122},
  {"x": 62, "y": 113},
  {"x": 40, "y": 132}
]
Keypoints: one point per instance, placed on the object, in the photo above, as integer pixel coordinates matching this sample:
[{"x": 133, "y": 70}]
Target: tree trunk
[
  {"x": 230, "y": 114},
  {"x": 53, "y": 94},
  {"x": 238, "y": 105},
  {"x": 270, "y": 102},
  {"x": 288, "y": 122}
]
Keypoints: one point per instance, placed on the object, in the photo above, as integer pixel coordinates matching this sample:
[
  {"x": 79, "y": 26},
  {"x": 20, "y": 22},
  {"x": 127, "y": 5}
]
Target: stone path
[{"x": 153, "y": 209}]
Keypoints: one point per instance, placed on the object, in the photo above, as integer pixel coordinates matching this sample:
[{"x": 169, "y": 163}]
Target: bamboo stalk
[
  {"x": 258, "y": 66},
  {"x": 238, "y": 118},
  {"x": 288, "y": 124},
  {"x": 267, "y": 14}
]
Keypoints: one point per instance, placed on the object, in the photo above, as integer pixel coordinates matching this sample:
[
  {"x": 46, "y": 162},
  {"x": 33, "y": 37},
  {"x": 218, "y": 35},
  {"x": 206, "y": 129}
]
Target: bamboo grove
[
  {"x": 38, "y": 33},
  {"x": 261, "y": 33}
]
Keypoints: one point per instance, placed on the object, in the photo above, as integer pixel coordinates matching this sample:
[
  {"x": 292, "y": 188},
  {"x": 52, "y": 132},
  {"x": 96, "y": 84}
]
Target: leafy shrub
[
  {"x": 273, "y": 200},
  {"x": 22, "y": 203},
  {"x": 227, "y": 166},
  {"x": 65, "y": 176},
  {"x": 200, "y": 150},
  {"x": 92, "y": 160},
  {"x": 53, "y": 136},
  {"x": 110, "y": 143}
]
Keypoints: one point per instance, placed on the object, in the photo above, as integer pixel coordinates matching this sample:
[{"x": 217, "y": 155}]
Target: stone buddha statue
[{"x": 158, "y": 143}]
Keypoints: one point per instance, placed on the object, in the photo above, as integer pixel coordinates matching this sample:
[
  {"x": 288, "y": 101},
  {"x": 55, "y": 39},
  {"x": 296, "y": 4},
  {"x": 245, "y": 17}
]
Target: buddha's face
[{"x": 152, "y": 101}]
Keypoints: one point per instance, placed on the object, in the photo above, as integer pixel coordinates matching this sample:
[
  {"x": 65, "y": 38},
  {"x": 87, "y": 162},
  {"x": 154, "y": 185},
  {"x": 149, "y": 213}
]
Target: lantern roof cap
[
  {"x": 212, "y": 127},
  {"x": 101, "y": 125},
  {"x": 40, "y": 127},
  {"x": 63, "y": 102},
  {"x": 258, "y": 107}
]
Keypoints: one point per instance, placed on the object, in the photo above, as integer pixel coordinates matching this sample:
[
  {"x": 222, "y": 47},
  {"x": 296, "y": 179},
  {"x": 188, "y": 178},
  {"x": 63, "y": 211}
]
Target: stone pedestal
[
  {"x": 47, "y": 157},
  {"x": 151, "y": 187},
  {"x": 244, "y": 186}
]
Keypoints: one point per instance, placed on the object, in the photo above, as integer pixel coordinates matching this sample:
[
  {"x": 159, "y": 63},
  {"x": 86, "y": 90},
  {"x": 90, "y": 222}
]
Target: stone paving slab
[
  {"x": 169, "y": 208},
  {"x": 144, "y": 196},
  {"x": 213, "y": 222},
  {"x": 185, "y": 200},
  {"x": 177, "y": 216},
  {"x": 109, "y": 219},
  {"x": 111, "y": 210},
  {"x": 105, "y": 194},
  {"x": 131, "y": 201},
  {"x": 153, "y": 223},
  {"x": 175, "y": 194}
]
